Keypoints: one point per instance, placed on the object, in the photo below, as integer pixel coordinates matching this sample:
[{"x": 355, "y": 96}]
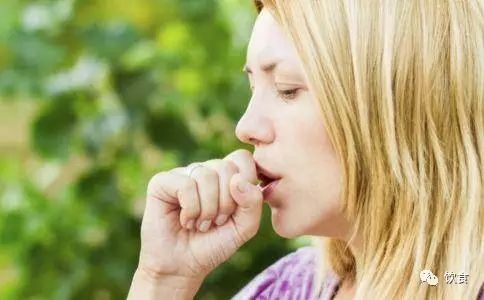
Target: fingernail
[
  {"x": 243, "y": 186},
  {"x": 204, "y": 225},
  {"x": 189, "y": 224},
  {"x": 221, "y": 219}
]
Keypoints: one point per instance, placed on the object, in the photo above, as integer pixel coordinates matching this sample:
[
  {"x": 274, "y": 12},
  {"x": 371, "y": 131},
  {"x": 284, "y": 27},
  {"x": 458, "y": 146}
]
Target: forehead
[{"x": 269, "y": 42}]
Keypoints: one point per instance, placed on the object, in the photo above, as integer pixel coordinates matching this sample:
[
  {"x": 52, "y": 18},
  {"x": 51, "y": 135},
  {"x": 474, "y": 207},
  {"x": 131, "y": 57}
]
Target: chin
[
  {"x": 285, "y": 228},
  {"x": 288, "y": 234}
]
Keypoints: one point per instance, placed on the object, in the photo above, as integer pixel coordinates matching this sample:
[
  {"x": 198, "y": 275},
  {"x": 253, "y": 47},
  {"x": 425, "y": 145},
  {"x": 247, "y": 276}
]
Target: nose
[{"x": 254, "y": 127}]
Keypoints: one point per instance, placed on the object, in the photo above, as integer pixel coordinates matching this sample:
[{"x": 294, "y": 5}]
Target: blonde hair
[{"x": 401, "y": 87}]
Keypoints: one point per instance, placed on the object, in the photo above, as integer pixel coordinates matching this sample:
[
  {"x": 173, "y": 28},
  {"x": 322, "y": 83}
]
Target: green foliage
[{"x": 96, "y": 96}]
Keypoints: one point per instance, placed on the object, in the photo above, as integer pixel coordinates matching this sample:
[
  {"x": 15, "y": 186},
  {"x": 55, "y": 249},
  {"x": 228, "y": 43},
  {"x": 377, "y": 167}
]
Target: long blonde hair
[{"x": 401, "y": 87}]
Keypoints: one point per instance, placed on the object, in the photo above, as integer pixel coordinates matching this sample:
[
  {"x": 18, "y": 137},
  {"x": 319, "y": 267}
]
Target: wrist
[{"x": 149, "y": 285}]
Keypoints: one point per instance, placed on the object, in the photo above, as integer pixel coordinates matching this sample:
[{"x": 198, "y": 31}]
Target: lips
[{"x": 265, "y": 176}]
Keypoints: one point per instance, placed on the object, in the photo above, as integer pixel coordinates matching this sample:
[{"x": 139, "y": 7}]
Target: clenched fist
[{"x": 197, "y": 216}]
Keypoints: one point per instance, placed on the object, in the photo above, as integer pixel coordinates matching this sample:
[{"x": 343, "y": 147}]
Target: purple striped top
[{"x": 292, "y": 277}]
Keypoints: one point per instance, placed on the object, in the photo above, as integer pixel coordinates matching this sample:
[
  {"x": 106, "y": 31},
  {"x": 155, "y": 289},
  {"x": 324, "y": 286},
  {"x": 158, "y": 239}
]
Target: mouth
[{"x": 265, "y": 176}]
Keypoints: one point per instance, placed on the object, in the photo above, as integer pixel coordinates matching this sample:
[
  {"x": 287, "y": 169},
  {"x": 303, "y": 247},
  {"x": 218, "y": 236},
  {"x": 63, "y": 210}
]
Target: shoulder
[{"x": 291, "y": 276}]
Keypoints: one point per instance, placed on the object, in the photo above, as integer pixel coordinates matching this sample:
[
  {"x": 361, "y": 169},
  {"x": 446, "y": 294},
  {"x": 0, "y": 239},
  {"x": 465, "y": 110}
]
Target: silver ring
[{"x": 192, "y": 168}]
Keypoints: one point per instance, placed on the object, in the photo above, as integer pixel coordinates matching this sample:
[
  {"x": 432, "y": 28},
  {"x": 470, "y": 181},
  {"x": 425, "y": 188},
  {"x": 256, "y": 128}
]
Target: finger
[
  {"x": 249, "y": 206},
  {"x": 173, "y": 189},
  {"x": 227, "y": 205},
  {"x": 244, "y": 161},
  {"x": 208, "y": 190}
]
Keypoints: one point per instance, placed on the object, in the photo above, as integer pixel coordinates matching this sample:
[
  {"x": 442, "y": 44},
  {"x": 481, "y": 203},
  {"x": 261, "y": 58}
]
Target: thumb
[{"x": 249, "y": 206}]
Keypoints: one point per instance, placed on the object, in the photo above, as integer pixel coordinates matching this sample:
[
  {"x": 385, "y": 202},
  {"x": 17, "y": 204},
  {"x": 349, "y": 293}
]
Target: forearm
[{"x": 145, "y": 286}]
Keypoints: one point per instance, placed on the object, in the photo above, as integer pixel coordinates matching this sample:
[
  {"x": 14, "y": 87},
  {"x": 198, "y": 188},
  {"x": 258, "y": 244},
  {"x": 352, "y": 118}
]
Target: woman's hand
[{"x": 193, "y": 224}]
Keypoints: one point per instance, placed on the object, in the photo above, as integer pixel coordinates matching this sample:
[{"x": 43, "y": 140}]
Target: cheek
[
  {"x": 306, "y": 128},
  {"x": 311, "y": 204},
  {"x": 308, "y": 153},
  {"x": 319, "y": 178}
]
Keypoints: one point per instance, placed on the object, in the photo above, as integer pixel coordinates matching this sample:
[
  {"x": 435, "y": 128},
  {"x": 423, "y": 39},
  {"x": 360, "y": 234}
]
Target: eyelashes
[
  {"x": 285, "y": 94},
  {"x": 288, "y": 94}
]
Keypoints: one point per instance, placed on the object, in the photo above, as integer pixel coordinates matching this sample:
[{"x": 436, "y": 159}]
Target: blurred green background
[{"x": 96, "y": 96}]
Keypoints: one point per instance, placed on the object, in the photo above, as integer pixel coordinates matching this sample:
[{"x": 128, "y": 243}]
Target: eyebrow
[{"x": 267, "y": 67}]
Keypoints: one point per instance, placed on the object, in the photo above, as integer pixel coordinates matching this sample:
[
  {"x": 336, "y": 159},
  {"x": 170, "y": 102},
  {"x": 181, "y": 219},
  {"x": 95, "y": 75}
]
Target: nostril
[{"x": 253, "y": 141}]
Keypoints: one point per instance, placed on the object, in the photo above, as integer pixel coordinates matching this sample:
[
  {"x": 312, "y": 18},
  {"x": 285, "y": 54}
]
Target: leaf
[
  {"x": 54, "y": 128},
  {"x": 110, "y": 41},
  {"x": 168, "y": 131}
]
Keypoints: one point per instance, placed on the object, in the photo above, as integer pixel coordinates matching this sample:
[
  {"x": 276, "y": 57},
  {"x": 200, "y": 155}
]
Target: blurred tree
[{"x": 112, "y": 93}]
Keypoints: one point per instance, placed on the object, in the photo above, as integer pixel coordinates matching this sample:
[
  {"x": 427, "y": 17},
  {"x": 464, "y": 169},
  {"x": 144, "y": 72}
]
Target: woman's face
[{"x": 284, "y": 122}]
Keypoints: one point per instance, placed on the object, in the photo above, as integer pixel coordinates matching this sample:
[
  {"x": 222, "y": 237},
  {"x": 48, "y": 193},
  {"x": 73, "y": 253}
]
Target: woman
[{"x": 367, "y": 120}]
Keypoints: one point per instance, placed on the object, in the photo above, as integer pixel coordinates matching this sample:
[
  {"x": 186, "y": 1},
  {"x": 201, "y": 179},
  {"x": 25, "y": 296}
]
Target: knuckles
[
  {"x": 243, "y": 153},
  {"x": 230, "y": 167},
  {"x": 210, "y": 175},
  {"x": 188, "y": 184},
  {"x": 205, "y": 174},
  {"x": 154, "y": 182}
]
